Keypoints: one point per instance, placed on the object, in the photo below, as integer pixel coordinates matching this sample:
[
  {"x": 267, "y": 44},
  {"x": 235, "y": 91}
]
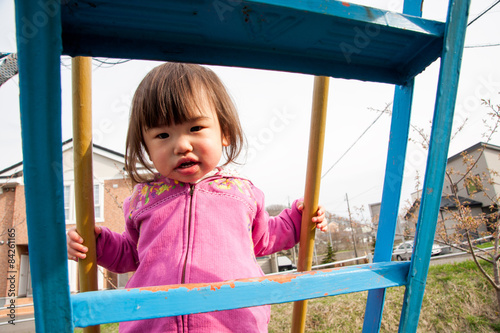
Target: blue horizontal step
[
  {"x": 100, "y": 307},
  {"x": 330, "y": 38}
]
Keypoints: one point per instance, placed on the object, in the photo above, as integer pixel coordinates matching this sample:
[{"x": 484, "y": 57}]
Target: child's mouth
[{"x": 186, "y": 165}]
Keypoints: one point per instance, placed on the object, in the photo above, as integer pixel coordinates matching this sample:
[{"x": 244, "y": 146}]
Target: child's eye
[
  {"x": 162, "y": 136},
  {"x": 196, "y": 128}
]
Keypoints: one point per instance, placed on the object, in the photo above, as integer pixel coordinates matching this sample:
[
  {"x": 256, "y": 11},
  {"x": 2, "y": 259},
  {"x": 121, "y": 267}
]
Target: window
[
  {"x": 473, "y": 184},
  {"x": 98, "y": 212},
  {"x": 69, "y": 203}
]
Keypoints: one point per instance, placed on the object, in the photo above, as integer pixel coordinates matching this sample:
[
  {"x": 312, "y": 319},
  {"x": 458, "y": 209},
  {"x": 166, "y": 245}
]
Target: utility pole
[
  {"x": 352, "y": 229},
  {"x": 329, "y": 233}
]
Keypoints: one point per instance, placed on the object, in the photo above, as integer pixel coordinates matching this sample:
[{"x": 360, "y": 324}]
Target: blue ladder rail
[
  {"x": 327, "y": 38},
  {"x": 391, "y": 194},
  {"x": 100, "y": 307}
]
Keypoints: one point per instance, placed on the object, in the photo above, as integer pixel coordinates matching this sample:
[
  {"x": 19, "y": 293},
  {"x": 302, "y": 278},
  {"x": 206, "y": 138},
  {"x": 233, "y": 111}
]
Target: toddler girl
[{"x": 189, "y": 221}]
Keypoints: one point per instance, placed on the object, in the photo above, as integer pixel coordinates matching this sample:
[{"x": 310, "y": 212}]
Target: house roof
[
  {"x": 449, "y": 202},
  {"x": 69, "y": 144},
  {"x": 446, "y": 203},
  {"x": 473, "y": 148},
  {"x": 11, "y": 168},
  {"x": 16, "y": 170}
]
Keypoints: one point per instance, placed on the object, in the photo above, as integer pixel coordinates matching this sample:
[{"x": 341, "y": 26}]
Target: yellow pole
[
  {"x": 84, "y": 188},
  {"x": 311, "y": 193}
]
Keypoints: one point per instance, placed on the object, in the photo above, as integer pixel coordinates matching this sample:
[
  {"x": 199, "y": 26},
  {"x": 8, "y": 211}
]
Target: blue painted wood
[
  {"x": 413, "y": 7},
  {"x": 319, "y": 37},
  {"x": 400, "y": 126},
  {"x": 436, "y": 163},
  {"x": 391, "y": 196},
  {"x": 38, "y": 35},
  {"x": 93, "y": 308}
]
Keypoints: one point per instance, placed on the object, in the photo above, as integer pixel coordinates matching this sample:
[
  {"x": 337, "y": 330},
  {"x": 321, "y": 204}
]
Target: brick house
[{"x": 110, "y": 189}]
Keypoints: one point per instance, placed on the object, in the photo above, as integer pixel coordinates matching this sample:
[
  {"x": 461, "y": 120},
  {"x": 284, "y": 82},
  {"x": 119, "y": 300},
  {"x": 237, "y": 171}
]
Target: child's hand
[
  {"x": 76, "y": 249},
  {"x": 319, "y": 219}
]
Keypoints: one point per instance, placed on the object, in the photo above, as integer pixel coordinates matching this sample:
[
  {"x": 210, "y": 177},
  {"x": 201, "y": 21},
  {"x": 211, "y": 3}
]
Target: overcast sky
[{"x": 275, "y": 111}]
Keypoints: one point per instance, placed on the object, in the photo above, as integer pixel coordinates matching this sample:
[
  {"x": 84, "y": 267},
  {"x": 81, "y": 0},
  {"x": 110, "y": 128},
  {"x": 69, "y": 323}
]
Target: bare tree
[{"x": 459, "y": 226}]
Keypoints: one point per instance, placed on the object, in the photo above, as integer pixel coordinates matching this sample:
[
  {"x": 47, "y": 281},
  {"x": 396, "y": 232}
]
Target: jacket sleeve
[
  {"x": 118, "y": 252},
  {"x": 273, "y": 234}
]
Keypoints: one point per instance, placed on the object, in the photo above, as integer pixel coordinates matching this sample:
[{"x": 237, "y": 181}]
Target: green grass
[
  {"x": 106, "y": 328},
  {"x": 485, "y": 245},
  {"x": 457, "y": 299}
]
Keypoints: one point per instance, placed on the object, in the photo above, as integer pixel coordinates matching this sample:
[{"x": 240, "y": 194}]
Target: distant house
[
  {"x": 110, "y": 189},
  {"x": 471, "y": 190},
  {"x": 446, "y": 223},
  {"x": 487, "y": 158}
]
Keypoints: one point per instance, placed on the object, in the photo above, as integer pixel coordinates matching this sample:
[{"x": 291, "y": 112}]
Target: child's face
[{"x": 188, "y": 151}]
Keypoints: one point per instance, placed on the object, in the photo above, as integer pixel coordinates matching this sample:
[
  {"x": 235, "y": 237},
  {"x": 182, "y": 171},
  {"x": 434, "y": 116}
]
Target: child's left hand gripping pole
[
  {"x": 311, "y": 195},
  {"x": 84, "y": 188}
]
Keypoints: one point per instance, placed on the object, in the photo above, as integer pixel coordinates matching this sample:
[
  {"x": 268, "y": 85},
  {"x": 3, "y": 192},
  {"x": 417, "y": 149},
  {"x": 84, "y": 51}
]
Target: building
[
  {"x": 110, "y": 189},
  {"x": 472, "y": 182},
  {"x": 482, "y": 159}
]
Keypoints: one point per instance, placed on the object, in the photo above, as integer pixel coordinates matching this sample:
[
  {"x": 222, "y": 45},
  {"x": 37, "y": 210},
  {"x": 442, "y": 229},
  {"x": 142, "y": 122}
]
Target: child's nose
[{"x": 183, "y": 145}]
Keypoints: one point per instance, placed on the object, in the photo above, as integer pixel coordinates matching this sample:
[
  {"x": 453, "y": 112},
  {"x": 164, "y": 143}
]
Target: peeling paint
[
  {"x": 281, "y": 279},
  {"x": 346, "y": 4},
  {"x": 189, "y": 286},
  {"x": 225, "y": 295},
  {"x": 285, "y": 278}
]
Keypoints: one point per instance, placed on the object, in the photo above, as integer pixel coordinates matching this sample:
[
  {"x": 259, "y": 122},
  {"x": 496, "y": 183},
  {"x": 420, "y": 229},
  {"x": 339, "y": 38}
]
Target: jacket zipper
[
  {"x": 191, "y": 191},
  {"x": 183, "y": 278}
]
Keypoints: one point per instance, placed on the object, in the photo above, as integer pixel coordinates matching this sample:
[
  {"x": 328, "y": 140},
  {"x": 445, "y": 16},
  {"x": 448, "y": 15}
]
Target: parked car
[
  {"x": 285, "y": 264},
  {"x": 404, "y": 250}
]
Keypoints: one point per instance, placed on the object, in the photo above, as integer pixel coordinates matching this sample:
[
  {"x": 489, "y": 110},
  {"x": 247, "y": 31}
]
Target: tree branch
[{"x": 486, "y": 275}]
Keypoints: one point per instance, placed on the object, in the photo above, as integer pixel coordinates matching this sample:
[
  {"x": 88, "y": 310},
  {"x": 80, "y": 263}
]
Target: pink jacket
[{"x": 193, "y": 233}]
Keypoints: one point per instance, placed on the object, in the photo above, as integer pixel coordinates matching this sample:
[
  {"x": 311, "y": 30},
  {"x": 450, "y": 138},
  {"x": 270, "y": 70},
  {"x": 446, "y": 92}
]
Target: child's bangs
[{"x": 173, "y": 103}]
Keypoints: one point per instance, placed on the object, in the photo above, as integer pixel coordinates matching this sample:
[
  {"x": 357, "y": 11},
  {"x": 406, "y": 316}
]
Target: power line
[
  {"x": 109, "y": 63},
  {"x": 475, "y": 19},
  {"x": 99, "y": 63},
  {"x": 118, "y": 62},
  {"x": 362, "y": 134},
  {"x": 483, "y": 12},
  {"x": 480, "y": 45}
]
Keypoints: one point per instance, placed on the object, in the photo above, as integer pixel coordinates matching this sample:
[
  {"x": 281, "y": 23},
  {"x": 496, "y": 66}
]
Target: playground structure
[{"x": 323, "y": 38}]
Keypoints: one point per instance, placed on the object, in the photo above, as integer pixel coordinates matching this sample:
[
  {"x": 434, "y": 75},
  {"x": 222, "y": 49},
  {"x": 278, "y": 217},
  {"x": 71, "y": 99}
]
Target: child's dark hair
[{"x": 168, "y": 95}]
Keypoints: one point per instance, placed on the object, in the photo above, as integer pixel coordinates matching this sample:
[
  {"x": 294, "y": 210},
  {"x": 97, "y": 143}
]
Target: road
[
  {"x": 450, "y": 258},
  {"x": 20, "y": 326}
]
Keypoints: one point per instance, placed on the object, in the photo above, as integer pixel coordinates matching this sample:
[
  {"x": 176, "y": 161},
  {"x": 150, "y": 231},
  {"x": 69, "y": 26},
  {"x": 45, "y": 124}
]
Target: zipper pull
[{"x": 191, "y": 190}]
